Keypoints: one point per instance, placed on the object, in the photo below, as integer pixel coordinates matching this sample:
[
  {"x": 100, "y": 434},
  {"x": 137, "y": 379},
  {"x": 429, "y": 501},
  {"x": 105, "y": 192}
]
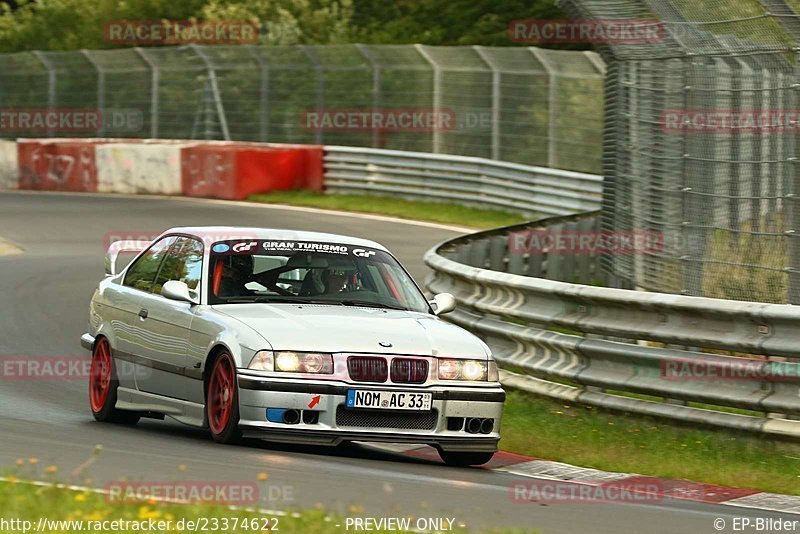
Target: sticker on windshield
[
  {"x": 269, "y": 247},
  {"x": 305, "y": 246},
  {"x": 361, "y": 253}
]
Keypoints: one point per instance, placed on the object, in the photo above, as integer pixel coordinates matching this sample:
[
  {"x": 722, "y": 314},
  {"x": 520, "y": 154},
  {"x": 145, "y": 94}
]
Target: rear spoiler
[{"x": 117, "y": 248}]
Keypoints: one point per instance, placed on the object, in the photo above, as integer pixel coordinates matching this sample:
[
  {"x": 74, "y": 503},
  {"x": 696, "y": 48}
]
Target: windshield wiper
[
  {"x": 371, "y": 304},
  {"x": 260, "y": 300},
  {"x": 305, "y": 300}
]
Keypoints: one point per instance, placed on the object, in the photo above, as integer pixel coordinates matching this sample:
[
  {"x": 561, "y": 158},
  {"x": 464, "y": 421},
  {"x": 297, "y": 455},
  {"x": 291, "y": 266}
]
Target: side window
[
  {"x": 142, "y": 274},
  {"x": 184, "y": 263}
]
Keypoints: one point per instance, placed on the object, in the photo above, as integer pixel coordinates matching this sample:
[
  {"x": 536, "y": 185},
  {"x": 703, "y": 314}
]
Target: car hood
[{"x": 325, "y": 328}]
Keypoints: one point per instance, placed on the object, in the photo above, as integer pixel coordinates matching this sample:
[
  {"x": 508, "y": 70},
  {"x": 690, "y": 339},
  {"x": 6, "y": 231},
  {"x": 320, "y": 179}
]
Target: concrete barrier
[
  {"x": 226, "y": 170},
  {"x": 139, "y": 168},
  {"x": 9, "y": 173}
]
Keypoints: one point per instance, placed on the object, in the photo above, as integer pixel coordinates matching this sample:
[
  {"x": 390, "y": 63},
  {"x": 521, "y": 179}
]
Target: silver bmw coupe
[{"x": 287, "y": 336}]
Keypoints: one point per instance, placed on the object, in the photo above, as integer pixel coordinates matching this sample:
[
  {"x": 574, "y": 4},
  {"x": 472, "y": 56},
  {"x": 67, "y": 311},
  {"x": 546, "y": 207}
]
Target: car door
[
  {"x": 122, "y": 303},
  {"x": 168, "y": 323}
]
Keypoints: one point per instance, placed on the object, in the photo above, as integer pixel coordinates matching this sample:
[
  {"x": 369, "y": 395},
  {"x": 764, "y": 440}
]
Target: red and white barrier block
[
  {"x": 225, "y": 170},
  {"x": 8, "y": 165}
]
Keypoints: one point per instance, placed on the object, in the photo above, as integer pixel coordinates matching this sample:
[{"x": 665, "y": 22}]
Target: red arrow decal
[{"x": 314, "y": 401}]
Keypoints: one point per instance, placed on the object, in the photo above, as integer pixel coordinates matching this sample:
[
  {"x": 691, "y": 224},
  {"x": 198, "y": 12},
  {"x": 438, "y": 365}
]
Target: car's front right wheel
[{"x": 464, "y": 459}]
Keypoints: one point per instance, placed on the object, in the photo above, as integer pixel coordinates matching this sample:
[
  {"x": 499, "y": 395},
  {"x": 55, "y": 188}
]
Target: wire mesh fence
[
  {"x": 523, "y": 105},
  {"x": 700, "y": 144}
]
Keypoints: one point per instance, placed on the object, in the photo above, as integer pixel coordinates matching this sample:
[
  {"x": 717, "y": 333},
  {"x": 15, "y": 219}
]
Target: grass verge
[
  {"x": 396, "y": 207},
  {"x": 591, "y": 437},
  {"x": 68, "y": 510},
  {"x": 63, "y": 510}
]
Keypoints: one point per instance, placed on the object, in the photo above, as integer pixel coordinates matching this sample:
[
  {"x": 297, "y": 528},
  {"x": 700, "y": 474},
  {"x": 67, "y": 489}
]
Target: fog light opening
[
  {"x": 455, "y": 424},
  {"x": 310, "y": 418},
  {"x": 291, "y": 417}
]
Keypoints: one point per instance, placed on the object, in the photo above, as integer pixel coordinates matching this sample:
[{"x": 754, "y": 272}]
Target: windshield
[{"x": 310, "y": 272}]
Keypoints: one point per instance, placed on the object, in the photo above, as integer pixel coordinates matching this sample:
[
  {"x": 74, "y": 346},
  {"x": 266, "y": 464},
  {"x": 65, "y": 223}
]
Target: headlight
[
  {"x": 470, "y": 370},
  {"x": 304, "y": 362},
  {"x": 287, "y": 361},
  {"x": 292, "y": 362}
]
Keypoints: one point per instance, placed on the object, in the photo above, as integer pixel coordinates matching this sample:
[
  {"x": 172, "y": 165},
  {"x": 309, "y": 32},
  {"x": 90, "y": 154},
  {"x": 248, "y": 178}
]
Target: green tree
[
  {"x": 446, "y": 22},
  {"x": 75, "y": 24},
  {"x": 290, "y": 21}
]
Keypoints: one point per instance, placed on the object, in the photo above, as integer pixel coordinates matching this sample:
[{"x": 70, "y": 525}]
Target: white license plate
[{"x": 389, "y": 400}]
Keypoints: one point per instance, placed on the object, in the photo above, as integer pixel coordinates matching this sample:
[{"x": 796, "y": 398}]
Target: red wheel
[
  {"x": 103, "y": 386},
  {"x": 222, "y": 405},
  {"x": 100, "y": 375}
]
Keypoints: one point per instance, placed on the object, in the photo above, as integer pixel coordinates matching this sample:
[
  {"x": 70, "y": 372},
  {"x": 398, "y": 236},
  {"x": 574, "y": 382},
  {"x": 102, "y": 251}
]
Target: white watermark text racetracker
[{"x": 201, "y": 524}]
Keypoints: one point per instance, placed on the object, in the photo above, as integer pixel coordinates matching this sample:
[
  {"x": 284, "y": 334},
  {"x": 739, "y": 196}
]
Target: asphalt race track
[{"x": 43, "y": 310}]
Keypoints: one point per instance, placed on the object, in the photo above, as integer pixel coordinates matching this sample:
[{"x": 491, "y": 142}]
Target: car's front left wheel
[
  {"x": 103, "y": 385},
  {"x": 222, "y": 401}
]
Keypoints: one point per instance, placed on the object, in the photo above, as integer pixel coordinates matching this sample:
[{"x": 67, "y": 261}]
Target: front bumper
[{"x": 334, "y": 423}]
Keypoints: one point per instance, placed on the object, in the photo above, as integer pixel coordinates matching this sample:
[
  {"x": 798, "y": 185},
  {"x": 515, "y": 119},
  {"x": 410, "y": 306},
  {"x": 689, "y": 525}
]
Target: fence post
[
  {"x": 155, "y": 80},
  {"x": 320, "y": 89},
  {"x": 792, "y": 207},
  {"x": 791, "y": 204},
  {"x": 551, "y": 105},
  {"x": 263, "y": 94},
  {"x": 212, "y": 77},
  {"x": 437, "y": 94},
  {"x": 496, "y": 99},
  {"x": 101, "y": 92},
  {"x": 51, "y": 85},
  {"x": 376, "y": 89}
]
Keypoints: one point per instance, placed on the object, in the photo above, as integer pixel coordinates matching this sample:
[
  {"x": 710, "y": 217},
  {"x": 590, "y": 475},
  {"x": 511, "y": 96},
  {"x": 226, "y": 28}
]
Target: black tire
[
  {"x": 465, "y": 459},
  {"x": 105, "y": 411},
  {"x": 227, "y": 431}
]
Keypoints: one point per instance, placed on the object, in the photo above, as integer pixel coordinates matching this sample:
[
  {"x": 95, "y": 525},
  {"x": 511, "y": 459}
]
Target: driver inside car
[
  {"x": 334, "y": 281},
  {"x": 236, "y": 271}
]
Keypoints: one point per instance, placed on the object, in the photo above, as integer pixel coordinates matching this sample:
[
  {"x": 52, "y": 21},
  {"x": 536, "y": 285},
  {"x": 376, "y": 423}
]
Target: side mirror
[
  {"x": 177, "y": 290},
  {"x": 117, "y": 248},
  {"x": 443, "y": 303}
]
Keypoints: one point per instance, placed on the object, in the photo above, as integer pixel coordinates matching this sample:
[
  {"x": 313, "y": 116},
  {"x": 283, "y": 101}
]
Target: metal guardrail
[
  {"x": 720, "y": 362},
  {"x": 468, "y": 180}
]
